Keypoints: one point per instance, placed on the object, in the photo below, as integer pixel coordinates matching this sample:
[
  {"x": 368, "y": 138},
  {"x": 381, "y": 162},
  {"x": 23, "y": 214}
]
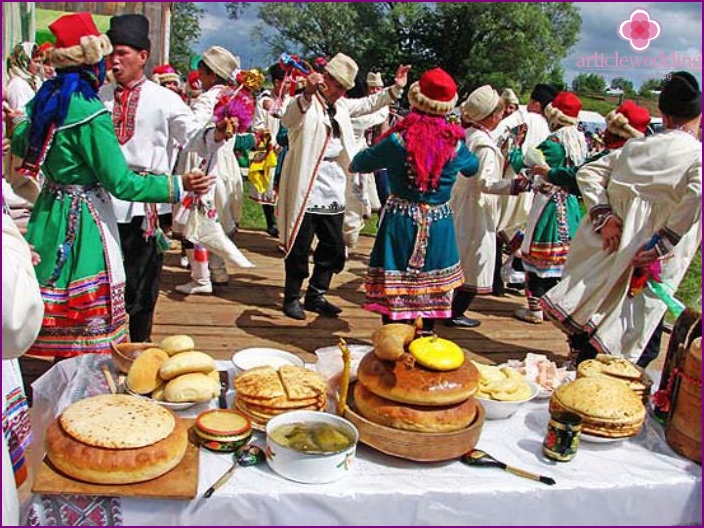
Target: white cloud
[{"x": 681, "y": 30}]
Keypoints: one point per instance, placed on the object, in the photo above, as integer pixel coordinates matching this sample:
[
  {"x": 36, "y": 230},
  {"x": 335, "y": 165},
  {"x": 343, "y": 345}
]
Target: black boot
[
  {"x": 292, "y": 299},
  {"x": 270, "y": 217},
  {"x": 460, "y": 303},
  {"x": 315, "y": 301}
]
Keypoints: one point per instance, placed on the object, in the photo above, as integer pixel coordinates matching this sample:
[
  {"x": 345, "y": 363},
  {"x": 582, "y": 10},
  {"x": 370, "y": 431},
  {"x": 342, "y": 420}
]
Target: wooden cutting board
[{"x": 179, "y": 483}]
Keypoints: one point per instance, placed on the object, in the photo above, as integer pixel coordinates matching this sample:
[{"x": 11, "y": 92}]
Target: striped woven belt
[{"x": 423, "y": 215}]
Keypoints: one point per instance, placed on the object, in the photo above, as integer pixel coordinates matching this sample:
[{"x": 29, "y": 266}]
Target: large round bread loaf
[
  {"x": 176, "y": 344},
  {"x": 418, "y": 385},
  {"x": 192, "y": 387},
  {"x": 102, "y": 465},
  {"x": 186, "y": 362},
  {"x": 143, "y": 376},
  {"x": 608, "y": 407},
  {"x": 117, "y": 421},
  {"x": 425, "y": 419}
]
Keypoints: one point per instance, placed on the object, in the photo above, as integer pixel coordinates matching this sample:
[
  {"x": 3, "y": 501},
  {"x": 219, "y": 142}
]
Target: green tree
[
  {"x": 504, "y": 44},
  {"x": 623, "y": 84},
  {"x": 588, "y": 82},
  {"x": 650, "y": 85},
  {"x": 185, "y": 31}
]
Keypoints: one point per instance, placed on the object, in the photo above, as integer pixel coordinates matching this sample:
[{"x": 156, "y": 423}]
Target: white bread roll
[
  {"x": 143, "y": 376},
  {"x": 177, "y": 343},
  {"x": 186, "y": 362},
  {"x": 196, "y": 386}
]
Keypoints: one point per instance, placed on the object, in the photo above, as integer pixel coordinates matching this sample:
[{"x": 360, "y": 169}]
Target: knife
[{"x": 224, "y": 384}]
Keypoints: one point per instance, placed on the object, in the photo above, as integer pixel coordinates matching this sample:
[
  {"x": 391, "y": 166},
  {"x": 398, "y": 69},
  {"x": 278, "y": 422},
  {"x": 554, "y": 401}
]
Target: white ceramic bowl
[
  {"x": 309, "y": 468},
  {"x": 249, "y": 358},
  {"x": 498, "y": 410}
]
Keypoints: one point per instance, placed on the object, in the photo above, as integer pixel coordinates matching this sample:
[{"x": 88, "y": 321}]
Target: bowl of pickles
[{"x": 312, "y": 447}]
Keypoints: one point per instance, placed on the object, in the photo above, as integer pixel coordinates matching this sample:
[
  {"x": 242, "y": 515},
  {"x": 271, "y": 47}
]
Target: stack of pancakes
[
  {"x": 116, "y": 439},
  {"x": 607, "y": 406},
  {"x": 415, "y": 398},
  {"x": 264, "y": 392},
  {"x": 618, "y": 369}
]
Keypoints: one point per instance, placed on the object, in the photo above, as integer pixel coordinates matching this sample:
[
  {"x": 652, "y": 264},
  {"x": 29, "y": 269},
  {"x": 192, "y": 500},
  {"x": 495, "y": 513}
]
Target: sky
[{"x": 680, "y": 39}]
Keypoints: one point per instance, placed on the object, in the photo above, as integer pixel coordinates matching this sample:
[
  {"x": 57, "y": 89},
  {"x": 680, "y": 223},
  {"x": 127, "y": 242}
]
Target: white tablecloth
[{"x": 640, "y": 481}]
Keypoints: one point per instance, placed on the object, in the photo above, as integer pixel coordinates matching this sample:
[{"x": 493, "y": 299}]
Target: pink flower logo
[{"x": 639, "y": 30}]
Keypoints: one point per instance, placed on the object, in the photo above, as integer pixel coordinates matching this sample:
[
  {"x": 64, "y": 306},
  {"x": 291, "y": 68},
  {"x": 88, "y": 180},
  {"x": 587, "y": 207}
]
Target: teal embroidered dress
[
  {"x": 554, "y": 215},
  {"x": 73, "y": 229},
  {"x": 414, "y": 265}
]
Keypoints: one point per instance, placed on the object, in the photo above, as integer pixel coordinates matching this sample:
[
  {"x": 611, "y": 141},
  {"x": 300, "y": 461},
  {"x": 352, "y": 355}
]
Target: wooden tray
[
  {"x": 420, "y": 447},
  {"x": 179, "y": 483}
]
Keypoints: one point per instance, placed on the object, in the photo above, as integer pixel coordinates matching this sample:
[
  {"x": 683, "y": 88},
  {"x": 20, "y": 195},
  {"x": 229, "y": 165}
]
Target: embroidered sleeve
[{"x": 599, "y": 215}]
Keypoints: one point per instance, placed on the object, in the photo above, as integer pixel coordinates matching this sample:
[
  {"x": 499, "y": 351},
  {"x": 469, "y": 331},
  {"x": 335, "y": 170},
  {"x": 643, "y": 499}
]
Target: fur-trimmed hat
[
  {"x": 544, "y": 94},
  {"x": 343, "y": 69},
  {"x": 628, "y": 121},
  {"x": 165, "y": 73},
  {"x": 681, "y": 96},
  {"x": 480, "y": 104},
  {"x": 508, "y": 96},
  {"x": 435, "y": 93},
  {"x": 78, "y": 41},
  {"x": 130, "y": 30},
  {"x": 374, "y": 80},
  {"x": 564, "y": 109},
  {"x": 193, "y": 87},
  {"x": 220, "y": 61}
]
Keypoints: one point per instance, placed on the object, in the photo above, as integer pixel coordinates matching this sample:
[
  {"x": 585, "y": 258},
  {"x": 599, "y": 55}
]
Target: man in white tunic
[
  {"x": 214, "y": 71},
  {"x": 362, "y": 197},
  {"x": 644, "y": 204},
  {"x": 267, "y": 119},
  {"x": 476, "y": 202},
  {"x": 315, "y": 175},
  {"x": 516, "y": 133},
  {"x": 148, "y": 120}
]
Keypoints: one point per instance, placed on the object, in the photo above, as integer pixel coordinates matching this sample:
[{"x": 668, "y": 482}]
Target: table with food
[{"x": 410, "y": 430}]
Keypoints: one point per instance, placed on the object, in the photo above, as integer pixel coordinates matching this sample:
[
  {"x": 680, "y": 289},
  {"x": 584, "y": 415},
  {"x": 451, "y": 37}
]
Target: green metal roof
[{"x": 44, "y": 17}]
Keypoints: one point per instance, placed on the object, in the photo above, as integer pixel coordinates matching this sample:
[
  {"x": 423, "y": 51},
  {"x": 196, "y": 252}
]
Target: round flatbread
[{"x": 117, "y": 421}]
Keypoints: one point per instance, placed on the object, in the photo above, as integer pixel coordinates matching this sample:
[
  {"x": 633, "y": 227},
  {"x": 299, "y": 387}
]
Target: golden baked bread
[
  {"x": 185, "y": 363},
  {"x": 301, "y": 383},
  {"x": 290, "y": 382},
  {"x": 177, "y": 343},
  {"x": 425, "y": 419},
  {"x": 607, "y": 407},
  {"x": 143, "y": 376},
  {"x": 390, "y": 340},
  {"x": 102, "y": 465},
  {"x": 417, "y": 385},
  {"x": 191, "y": 387},
  {"x": 117, "y": 421},
  {"x": 618, "y": 369},
  {"x": 263, "y": 392},
  {"x": 609, "y": 365},
  {"x": 260, "y": 383}
]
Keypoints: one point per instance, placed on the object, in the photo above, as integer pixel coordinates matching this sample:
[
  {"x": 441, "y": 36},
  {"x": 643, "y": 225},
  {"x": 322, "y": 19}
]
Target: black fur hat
[
  {"x": 130, "y": 30},
  {"x": 681, "y": 96}
]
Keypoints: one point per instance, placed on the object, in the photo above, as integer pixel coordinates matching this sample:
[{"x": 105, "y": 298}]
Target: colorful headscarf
[
  {"x": 430, "y": 143},
  {"x": 50, "y": 107},
  {"x": 18, "y": 63}
]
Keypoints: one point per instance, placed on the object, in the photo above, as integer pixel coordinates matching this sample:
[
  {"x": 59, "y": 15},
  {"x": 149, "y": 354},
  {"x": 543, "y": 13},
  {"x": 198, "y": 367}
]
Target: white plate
[
  {"x": 601, "y": 439},
  {"x": 248, "y": 358},
  {"x": 174, "y": 406}
]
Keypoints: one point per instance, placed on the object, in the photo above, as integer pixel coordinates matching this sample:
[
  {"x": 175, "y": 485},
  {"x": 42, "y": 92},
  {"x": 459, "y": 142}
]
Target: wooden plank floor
[{"x": 247, "y": 312}]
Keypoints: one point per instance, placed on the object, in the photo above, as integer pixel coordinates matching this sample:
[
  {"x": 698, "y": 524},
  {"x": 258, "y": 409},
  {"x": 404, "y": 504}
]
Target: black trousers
[
  {"x": 580, "y": 345},
  {"x": 328, "y": 258},
  {"x": 143, "y": 263},
  {"x": 539, "y": 286}
]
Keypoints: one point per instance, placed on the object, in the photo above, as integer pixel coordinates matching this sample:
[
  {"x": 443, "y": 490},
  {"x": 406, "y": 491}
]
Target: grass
[{"x": 689, "y": 291}]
